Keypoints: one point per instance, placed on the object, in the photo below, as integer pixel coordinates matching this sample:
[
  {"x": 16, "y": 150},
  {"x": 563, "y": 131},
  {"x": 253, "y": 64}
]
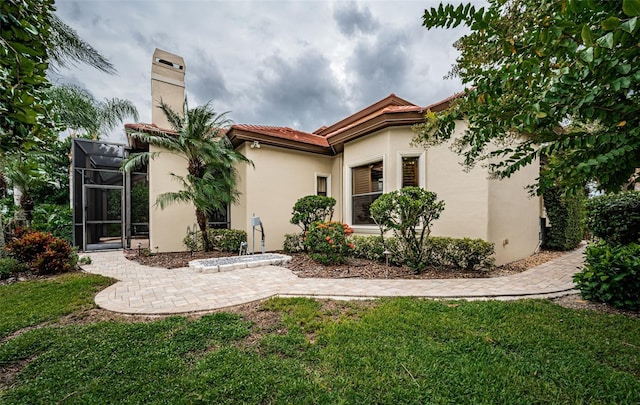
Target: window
[
  {"x": 322, "y": 185},
  {"x": 219, "y": 219},
  {"x": 367, "y": 182},
  {"x": 410, "y": 171}
]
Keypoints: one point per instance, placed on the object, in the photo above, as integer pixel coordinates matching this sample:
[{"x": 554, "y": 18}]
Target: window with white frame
[
  {"x": 367, "y": 186},
  {"x": 410, "y": 177},
  {"x": 322, "y": 185}
]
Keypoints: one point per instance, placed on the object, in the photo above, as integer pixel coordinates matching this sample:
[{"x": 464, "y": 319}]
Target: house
[{"x": 354, "y": 160}]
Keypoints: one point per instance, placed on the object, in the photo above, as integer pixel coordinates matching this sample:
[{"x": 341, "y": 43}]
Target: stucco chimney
[{"x": 167, "y": 84}]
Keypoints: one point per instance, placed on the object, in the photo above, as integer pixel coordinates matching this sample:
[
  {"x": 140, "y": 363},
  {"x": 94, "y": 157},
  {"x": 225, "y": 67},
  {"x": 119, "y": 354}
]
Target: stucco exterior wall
[
  {"x": 514, "y": 215},
  {"x": 167, "y": 227},
  {"x": 270, "y": 190},
  {"x": 362, "y": 151},
  {"x": 167, "y": 84},
  {"x": 465, "y": 193},
  {"x": 475, "y": 207}
]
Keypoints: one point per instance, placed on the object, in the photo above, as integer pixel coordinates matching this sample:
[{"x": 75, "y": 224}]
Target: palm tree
[
  {"x": 80, "y": 112},
  {"x": 23, "y": 174},
  {"x": 198, "y": 136}
]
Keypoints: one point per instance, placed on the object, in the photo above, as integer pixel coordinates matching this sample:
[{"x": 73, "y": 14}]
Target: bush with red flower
[
  {"x": 327, "y": 242},
  {"x": 42, "y": 252}
]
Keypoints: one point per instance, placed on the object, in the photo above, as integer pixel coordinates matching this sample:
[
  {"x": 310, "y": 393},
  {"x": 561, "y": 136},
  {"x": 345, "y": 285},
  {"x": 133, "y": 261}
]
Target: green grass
[
  {"x": 30, "y": 303},
  {"x": 392, "y": 351}
]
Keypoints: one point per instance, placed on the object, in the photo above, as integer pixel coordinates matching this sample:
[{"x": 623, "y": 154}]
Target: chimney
[{"x": 167, "y": 84}]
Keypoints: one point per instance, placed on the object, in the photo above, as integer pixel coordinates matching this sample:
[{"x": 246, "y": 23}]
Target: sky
[{"x": 300, "y": 64}]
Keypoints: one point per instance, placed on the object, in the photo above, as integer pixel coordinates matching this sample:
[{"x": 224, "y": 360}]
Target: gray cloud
[
  {"x": 204, "y": 79},
  {"x": 300, "y": 64},
  {"x": 301, "y": 93},
  {"x": 380, "y": 66},
  {"x": 352, "y": 20}
]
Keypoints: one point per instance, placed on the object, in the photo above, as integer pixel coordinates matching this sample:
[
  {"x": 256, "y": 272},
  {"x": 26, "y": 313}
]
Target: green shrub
[
  {"x": 465, "y": 253},
  {"x": 615, "y": 217},
  {"x": 293, "y": 243},
  {"x": 310, "y": 209},
  {"x": 226, "y": 240},
  {"x": 371, "y": 247},
  {"x": 9, "y": 266},
  {"x": 566, "y": 215},
  {"x": 327, "y": 242},
  {"x": 409, "y": 214},
  {"x": 611, "y": 274},
  {"x": 42, "y": 252},
  {"x": 55, "y": 219}
]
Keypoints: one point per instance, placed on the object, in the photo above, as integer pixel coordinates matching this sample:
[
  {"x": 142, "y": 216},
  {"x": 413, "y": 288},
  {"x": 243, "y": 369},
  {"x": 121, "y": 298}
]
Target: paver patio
[{"x": 150, "y": 290}]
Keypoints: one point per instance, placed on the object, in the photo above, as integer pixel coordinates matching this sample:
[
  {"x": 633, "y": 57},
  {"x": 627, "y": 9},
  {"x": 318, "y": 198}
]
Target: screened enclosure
[{"x": 110, "y": 207}]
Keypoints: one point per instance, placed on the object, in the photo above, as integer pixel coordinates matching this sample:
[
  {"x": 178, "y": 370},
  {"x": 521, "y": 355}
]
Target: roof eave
[
  {"x": 239, "y": 136},
  {"x": 386, "y": 120}
]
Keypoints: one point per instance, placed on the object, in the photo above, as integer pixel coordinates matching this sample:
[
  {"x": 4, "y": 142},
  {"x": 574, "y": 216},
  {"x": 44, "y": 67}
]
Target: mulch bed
[{"x": 303, "y": 266}]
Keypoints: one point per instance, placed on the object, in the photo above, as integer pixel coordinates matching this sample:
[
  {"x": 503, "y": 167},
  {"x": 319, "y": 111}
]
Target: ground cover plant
[
  {"x": 309, "y": 351},
  {"x": 30, "y": 303}
]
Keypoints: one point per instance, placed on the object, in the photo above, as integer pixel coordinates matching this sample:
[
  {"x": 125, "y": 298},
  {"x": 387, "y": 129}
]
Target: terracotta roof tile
[
  {"x": 284, "y": 133},
  {"x": 386, "y": 110},
  {"x": 142, "y": 127}
]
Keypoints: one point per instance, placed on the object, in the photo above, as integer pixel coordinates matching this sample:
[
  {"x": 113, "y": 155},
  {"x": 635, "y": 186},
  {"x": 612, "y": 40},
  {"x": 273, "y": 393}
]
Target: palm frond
[
  {"x": 137, "y": 161},
  {"x": 114, "y": 111},
  {"x": 175, "y": 119},
  {"x": 158, "y": 138},
  {"x": 68, "y": 49}
]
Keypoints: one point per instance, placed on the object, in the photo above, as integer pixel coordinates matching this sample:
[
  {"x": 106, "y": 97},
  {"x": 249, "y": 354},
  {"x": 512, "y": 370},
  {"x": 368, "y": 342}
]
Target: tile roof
[
  {"x": 142, "y": 127},
  {"x": 284, "y": 133},
  {"x": 390, "y": 111}
]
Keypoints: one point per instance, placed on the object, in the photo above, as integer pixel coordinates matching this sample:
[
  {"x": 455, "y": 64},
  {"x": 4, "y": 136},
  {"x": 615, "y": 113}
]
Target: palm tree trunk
[{"x": 202, "y": 224}]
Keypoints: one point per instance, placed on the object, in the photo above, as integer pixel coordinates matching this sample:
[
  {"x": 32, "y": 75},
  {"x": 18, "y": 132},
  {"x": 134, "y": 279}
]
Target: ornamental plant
[
  {"x": 409, "y": 214},
  {"x": 611, "y": 274},
  {"x": 615, "y": 218},
  {"x": 310, "y": 209},
  {"x": 328, "y": 242},
  {"x": 42, "y": 252}
]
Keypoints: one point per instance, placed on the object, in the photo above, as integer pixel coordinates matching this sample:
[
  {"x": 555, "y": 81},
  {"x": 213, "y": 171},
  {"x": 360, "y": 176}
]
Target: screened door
[{"x": 103, "y": 221}]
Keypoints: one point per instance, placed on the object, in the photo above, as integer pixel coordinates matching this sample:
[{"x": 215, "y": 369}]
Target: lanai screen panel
[{"x": 98, "y": 194}]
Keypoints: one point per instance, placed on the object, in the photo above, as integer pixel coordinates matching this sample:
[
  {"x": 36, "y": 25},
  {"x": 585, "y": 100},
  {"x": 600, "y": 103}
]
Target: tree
[
  {"x": 79, "y": 111},
  {"x": 198, "y": 137},
  {"x": 558, "y": 76},
  {"x": 24, "y": 38},
  {"x": 24, "y": 175},
  {"x": 32, "y": 40},
  {"x": 409, "y": 214},
  {"x": 310, "y": 209}
]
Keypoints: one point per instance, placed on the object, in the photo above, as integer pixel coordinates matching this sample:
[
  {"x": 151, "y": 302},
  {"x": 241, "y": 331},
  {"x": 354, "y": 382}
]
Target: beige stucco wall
[
  {"x": 388, "y": 146},
  {"x": 514, "y": 215},
  {"x": 167, "y": 84},
  {"x": 271, "y": 188},
  {"x": 465, "y": 193},
  {"x": 475, "y": 207},
  {"x": 167, "y": 227}
]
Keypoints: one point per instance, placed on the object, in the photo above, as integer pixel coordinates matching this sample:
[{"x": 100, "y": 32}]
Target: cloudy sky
[{"x": 301, "y": 64}]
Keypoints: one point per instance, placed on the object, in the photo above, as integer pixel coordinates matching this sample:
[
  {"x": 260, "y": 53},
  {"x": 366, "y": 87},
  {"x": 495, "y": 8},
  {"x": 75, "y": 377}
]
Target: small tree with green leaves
[
  {"x": 310, "y": 209},
  {"x": 409, "y": 214}
]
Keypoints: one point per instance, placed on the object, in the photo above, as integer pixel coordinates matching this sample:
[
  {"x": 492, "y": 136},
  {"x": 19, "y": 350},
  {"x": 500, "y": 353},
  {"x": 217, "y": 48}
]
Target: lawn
[{"x": 306, "y": 351}]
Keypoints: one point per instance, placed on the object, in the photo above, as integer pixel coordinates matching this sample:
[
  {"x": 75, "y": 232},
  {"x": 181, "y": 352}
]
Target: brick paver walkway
[{"x": 149, "y": 290}]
